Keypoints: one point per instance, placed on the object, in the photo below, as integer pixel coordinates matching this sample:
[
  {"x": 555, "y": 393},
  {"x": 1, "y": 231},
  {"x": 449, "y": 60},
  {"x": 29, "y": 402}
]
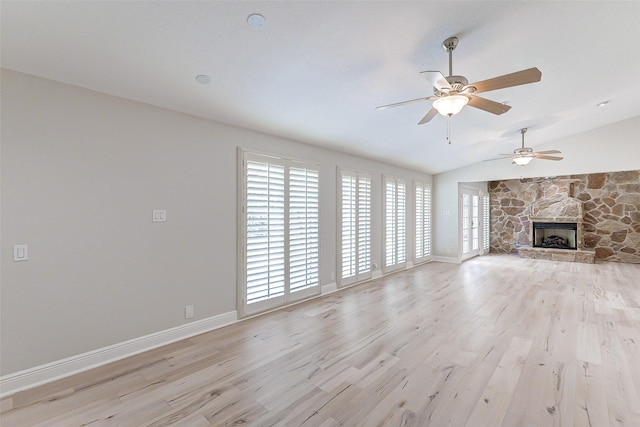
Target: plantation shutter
[
  {"x": 354, "y": 227},
  {"x": 395, "y": 223},
  {"x": 265, "y": 231},
  {"x": 348, "y": 226},
  {"x": 401, "y": 227},
  {"x": 303, "y": 228},
  {"x": 390, "y": 223},
  {"x": 485, "y": 225},
  {"x": 364, "y": 226},
  {"x": 423, "y": 221},
  {"x": 281, "y": 232}
]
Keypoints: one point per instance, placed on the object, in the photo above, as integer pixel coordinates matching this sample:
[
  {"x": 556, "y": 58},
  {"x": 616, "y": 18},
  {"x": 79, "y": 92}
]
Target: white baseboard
[
  {"x": 452, "y": 260},
  {"x": 42, "y": 374},
  {"x": 376, "y": 274},
  {"x": 328, "y": 288}
]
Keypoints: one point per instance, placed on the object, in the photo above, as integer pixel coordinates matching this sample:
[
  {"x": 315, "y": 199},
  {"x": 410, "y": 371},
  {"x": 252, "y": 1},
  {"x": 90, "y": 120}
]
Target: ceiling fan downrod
[
  {"x": 522, "y": 132},
  {"x": 449, "y": 45}
]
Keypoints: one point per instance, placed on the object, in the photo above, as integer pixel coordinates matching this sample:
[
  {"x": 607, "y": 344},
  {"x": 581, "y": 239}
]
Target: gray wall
[{"x": 81, "y": 173}]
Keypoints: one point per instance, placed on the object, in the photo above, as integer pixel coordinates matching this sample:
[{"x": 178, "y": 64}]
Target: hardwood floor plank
[
  {"x": 588, "y": 348},
  {"x": 457, "y": 401},
  {"x": 496, "y": 340},
  {"x": 591, "y": 407},
  {"x": 494, "y": 402}
]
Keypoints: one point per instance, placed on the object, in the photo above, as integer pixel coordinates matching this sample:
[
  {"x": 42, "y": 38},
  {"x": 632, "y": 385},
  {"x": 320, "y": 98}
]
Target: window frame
[
  {"x": 360, "y": 274},
  {"x": 486, "y": 224},
  {"x": 426, "y": 225},
  {"x": 399, "y": 218},
  {"x": 288, "y": 297}
]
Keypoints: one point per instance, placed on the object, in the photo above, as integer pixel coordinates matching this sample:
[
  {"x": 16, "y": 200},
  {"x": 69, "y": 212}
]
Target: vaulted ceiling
[{"x": 316, "y": 70}]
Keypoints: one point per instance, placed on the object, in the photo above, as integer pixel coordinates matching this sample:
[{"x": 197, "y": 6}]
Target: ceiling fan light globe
[
  {"x": 522, "y": 160},
  {"x": 450, "y": 105}
]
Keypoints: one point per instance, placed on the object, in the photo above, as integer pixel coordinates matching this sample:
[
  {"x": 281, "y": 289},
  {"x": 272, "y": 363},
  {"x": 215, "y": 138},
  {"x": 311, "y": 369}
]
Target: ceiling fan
[
  {"x": 452, "y": 93},
  {"x": 523, "y": 155}
]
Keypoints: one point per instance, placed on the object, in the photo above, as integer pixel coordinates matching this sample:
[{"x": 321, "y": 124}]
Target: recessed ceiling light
[
  {"x": 256, "y": 21},
  {"x": 602, "y": 104},
  {"x": 203, "y": 79}
]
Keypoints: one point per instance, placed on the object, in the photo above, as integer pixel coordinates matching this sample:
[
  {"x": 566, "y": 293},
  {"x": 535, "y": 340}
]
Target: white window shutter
[
  {"x": 423, "y": 221},
  {"x": 355, "y": 226},
  {"x": 364, "y": 226},
  {"x": 395, "y": 230},
  {"x": 281, "y": 232},
  {"x": 265, "y": 249},
  {"x": 485, "y": 225},
  {"x": 303, "y": 228}
]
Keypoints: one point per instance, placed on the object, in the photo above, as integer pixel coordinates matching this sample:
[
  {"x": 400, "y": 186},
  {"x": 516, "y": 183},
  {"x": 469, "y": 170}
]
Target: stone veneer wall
[{"x": 610, "y": 211}]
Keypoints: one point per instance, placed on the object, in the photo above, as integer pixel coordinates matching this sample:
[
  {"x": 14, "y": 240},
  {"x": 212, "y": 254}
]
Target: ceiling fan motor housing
[
  {"x": 523, "y": 151},
  {"x": 457, "y": 80},
  {"x": 457, "y": 83}
]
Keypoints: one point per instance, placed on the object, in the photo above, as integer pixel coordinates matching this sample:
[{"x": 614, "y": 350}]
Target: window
[
  {"x": 303, "y": 228},
  {"x": 394, "y": 224},
  {"x": 423, "y": 221},
  {"x": 485, "y": 225},
  {"x": 354, "y": 226},
  {"x": 280, "y": 232},
  {"x": 475, "y": 221}
]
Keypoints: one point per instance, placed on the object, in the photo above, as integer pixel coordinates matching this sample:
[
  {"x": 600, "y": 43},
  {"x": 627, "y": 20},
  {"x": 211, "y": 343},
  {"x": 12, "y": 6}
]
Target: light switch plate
[
  {"x": 20, "y": 253},
  {"x": 159, "y": 215}
]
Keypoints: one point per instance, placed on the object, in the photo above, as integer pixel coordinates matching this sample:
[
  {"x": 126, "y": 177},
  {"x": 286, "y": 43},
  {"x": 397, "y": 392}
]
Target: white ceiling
[{"x": 317, "y": 70}]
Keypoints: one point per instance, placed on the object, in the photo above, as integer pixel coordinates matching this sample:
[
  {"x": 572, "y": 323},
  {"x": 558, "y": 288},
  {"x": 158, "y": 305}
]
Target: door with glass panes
[{"x": 469, "y": 222}]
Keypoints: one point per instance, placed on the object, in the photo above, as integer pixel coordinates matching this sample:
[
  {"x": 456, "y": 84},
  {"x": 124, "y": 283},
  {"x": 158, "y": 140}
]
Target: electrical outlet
[
  {"x": 375, "y": 265},
  {"x": 189, "y": 311}
]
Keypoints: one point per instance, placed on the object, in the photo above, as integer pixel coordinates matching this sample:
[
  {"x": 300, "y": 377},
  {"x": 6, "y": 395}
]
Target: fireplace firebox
[{"x": 556, "y": 235}]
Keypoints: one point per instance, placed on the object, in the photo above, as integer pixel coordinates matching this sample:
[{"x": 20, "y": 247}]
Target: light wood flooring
[{"x": 494, "y": 341}]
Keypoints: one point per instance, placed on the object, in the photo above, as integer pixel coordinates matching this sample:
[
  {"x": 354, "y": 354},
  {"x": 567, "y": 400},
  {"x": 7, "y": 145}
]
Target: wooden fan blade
[
  {"x": 437, "y": 80},
  {"x": 547, "y": 157},
  {"x": 518, "y": 78},
  {"x": 549, "y": 152},
  {"x": 430, "y": 115},
  {"x": 487, "y": 105},
  {"x": 397, "y": 104}
]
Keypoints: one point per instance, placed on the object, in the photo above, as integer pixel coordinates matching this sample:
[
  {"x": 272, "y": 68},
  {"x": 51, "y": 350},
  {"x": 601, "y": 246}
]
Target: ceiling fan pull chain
[{"x": 449, "y": 129}]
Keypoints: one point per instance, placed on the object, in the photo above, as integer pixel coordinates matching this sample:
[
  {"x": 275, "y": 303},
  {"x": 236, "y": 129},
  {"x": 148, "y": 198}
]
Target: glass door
[{"x": 469, "y": 222}]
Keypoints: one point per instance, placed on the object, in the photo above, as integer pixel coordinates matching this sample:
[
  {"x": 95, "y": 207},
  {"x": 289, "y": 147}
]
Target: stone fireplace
[
  {"x": 555, "y": 224},
  {"x": 605, "y": 208}
]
